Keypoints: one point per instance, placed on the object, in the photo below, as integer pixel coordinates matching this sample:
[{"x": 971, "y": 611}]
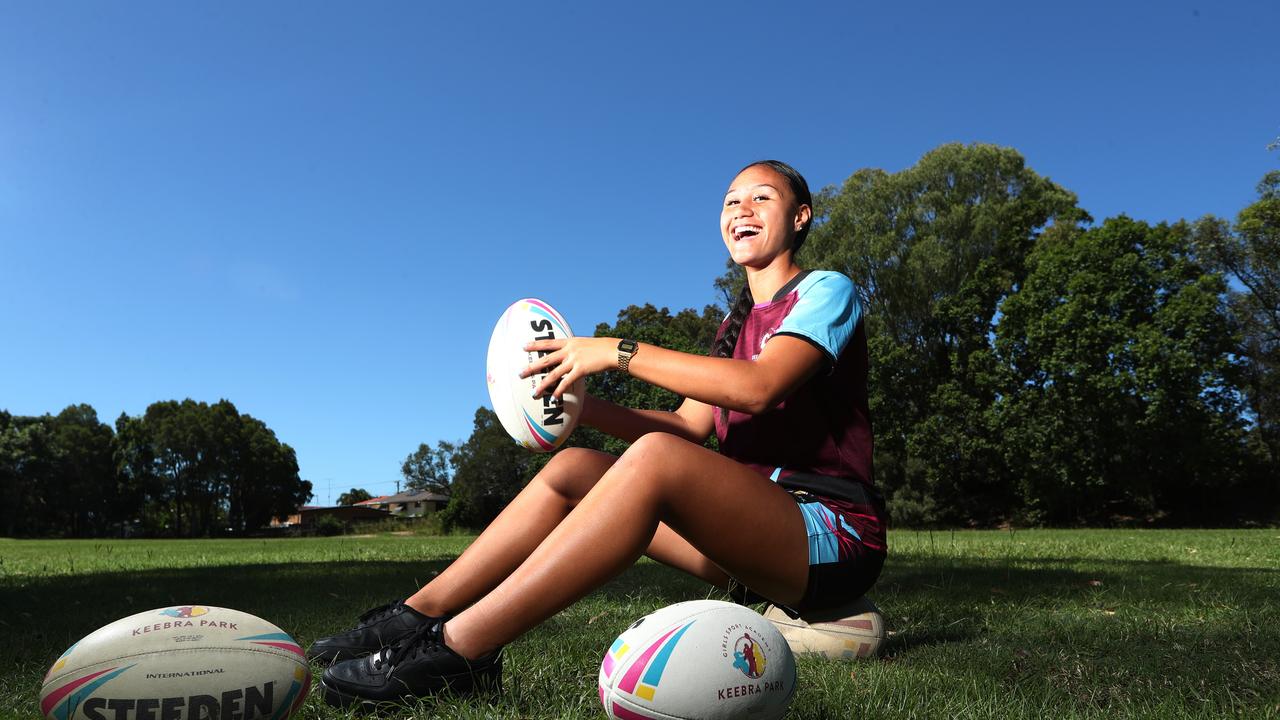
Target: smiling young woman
[{"x": 784, "y": 390}]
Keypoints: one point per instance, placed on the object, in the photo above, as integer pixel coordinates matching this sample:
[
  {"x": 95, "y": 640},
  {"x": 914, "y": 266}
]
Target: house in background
[
  {"x": 307, "y": 515},
  {"x": 408, "y": 504}
]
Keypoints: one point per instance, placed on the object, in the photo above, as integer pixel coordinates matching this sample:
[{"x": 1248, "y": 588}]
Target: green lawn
[{"x": 1026, "y": 624}]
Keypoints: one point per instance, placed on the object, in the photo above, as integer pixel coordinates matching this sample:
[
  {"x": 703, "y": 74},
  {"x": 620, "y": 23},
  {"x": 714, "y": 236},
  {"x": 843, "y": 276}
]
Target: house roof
[
  {"x": 419, "y": 496},
  {"x": 343, "y": 509}
]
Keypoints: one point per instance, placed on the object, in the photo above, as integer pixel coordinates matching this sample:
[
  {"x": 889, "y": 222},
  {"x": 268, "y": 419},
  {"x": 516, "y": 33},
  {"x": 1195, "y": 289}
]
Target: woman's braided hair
[{"x": 800, "y": 189}]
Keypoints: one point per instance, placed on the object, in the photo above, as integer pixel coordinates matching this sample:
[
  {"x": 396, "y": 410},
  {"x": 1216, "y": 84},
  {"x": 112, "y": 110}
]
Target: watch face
[{"x": 628, "y": 346}]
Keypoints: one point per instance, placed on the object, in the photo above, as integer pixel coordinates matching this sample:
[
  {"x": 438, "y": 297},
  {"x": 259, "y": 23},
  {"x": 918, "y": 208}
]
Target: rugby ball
[
  {"x": 698, "y": 660},
  {"x": 855, "y": 630},
  {"x": 539, "y": 424},
  {"x": 188, "y": 662}
]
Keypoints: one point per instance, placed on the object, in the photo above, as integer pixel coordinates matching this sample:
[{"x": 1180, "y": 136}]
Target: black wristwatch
[{"x": 626, "y": 349}]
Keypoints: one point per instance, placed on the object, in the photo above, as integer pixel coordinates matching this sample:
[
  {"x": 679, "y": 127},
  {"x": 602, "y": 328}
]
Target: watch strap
[{"x": 626, "y": 349}]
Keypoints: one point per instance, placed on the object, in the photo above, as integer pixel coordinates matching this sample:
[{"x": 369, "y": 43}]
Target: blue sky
[{"x": 318, "y": 210}]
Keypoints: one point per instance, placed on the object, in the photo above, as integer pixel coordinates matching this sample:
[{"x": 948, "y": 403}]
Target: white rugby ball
[
  {"x": 187, "y": 662},
  {"x": 539, "y": 424},
  {"x": 698, "y": 660}
]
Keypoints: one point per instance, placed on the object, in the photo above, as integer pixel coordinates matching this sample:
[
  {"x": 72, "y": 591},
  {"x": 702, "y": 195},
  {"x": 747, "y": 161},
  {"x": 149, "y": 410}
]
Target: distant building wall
[
  {"x": 413, "y": 504},
  {"x": 307, "y": 516}
]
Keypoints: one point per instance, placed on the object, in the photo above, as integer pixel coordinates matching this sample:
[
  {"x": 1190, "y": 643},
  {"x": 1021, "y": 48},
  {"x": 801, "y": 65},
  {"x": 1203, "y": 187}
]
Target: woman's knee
[
  {"x": 655, "y": 443},
  {"x": 572, "y": 472},
  {"x": 654, "y": 459}
]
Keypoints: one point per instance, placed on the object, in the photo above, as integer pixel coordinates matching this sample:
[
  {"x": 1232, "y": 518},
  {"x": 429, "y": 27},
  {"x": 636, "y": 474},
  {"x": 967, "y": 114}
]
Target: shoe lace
[
  {"x": 410, "y": 646},
  {"x": 379, "y": 613}
]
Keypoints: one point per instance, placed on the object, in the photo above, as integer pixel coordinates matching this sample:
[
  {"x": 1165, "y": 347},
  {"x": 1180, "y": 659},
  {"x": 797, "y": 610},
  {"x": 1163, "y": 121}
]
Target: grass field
[{"x": 1026, "y": 624}]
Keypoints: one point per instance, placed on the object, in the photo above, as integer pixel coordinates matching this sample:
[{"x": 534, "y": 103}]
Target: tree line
[
  {"x": 182, "y": 469},
  {"x": 1028, "y": 364}
]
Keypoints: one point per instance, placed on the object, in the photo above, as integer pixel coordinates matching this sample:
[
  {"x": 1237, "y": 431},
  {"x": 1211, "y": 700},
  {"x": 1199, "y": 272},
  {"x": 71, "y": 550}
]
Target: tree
[
  {"x": 1120, "y": 397},
  {"x": 489, "y": 471},
  {"x": 140, "y": 487},
  {"x": 195, "y": 469},
  {"x": 56, "y": 474},
  {"x": 935, "y": 249},
  {"x": 1248, "y": 253},
  {"x": 429, "y": 468},
  {"x": 353, "y": 496},
  {"x": 687, "y": 331},
  {"x": 11, "y": 491},
  {"x": 82, "y": 491},
  {"x": 26, "y": 464},
  {"x": 262, "y": 477}
]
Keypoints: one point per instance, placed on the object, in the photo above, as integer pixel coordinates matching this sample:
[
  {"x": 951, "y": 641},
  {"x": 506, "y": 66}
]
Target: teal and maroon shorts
[
  {"x": 843, "y": 564},
  {"x": 847, "y": 548}
]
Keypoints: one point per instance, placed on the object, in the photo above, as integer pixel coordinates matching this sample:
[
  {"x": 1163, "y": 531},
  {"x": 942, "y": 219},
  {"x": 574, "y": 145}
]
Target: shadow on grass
[
  {"x": 1099, "y": 633},
  {"x": 1079, "y": 628},
  {"x": 43, "y": 617},
  {"x": 922, "y": 583}
]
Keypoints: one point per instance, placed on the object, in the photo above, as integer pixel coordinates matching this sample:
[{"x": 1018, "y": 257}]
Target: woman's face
[{"x": 760, "y": 216}]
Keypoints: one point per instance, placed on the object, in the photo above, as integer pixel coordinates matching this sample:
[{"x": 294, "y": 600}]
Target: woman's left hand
[{"x": 570, "y": 360}]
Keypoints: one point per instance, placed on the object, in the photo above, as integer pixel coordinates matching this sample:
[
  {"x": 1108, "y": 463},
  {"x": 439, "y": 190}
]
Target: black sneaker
[
  {"x": 416, "y": 666},
  {"x": 377, "y": 628}
]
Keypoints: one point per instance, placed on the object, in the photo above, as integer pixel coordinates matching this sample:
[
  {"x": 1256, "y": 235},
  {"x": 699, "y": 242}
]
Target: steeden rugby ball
[
  {"x": 539, "y": 424},
  {"x": 188, "y": 662}
]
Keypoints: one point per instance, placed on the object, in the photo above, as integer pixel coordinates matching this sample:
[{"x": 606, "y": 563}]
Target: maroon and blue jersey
[{"x": 819, "y": 438}]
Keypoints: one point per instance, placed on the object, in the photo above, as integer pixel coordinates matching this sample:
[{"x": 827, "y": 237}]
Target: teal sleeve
[{"x": 826, "y": 313}]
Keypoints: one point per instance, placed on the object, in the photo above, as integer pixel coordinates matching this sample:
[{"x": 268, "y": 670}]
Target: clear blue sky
[{"x": 318, "y": 210}]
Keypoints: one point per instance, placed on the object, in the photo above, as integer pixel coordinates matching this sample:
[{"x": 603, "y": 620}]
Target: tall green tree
[
  {"x": 10, "y": 489},
  {"x": 1120, "y": 399},
  {"x": 56, "y": 474},
  {"x": 428, "y": 468},
  {"x": 26, "y": 464},
  {"x": 686, "y": 331},
  {"x": 82, "y": 493},
  {"x": 935, "y": 249},
  {"x": 1248, "y": 253},
  {"x": 353, "y": 496},
  {"x": 183, "y": 462},
  {"x": 489, "y": 471},
  {"x": 262, "y": 481},
  {"x": 140, "y": 487},
  {"x": 197, "y": 469}
]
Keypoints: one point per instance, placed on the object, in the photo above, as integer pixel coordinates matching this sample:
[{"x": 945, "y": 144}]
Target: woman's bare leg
[
  {"x": 523, "y": 525},
  {"x": 737, "y": 521},
  {"x": 514, "y": 534}
]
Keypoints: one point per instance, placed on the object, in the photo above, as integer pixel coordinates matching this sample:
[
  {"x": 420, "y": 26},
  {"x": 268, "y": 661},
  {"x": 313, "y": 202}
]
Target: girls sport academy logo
[
  {"x": 748, "y": 656},
  {"x": 186, "y": 611}
]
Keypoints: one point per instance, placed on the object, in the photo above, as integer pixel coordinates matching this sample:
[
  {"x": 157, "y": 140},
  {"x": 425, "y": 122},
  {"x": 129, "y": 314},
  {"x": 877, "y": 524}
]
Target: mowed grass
[{"x": 1025, "y": 624}]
